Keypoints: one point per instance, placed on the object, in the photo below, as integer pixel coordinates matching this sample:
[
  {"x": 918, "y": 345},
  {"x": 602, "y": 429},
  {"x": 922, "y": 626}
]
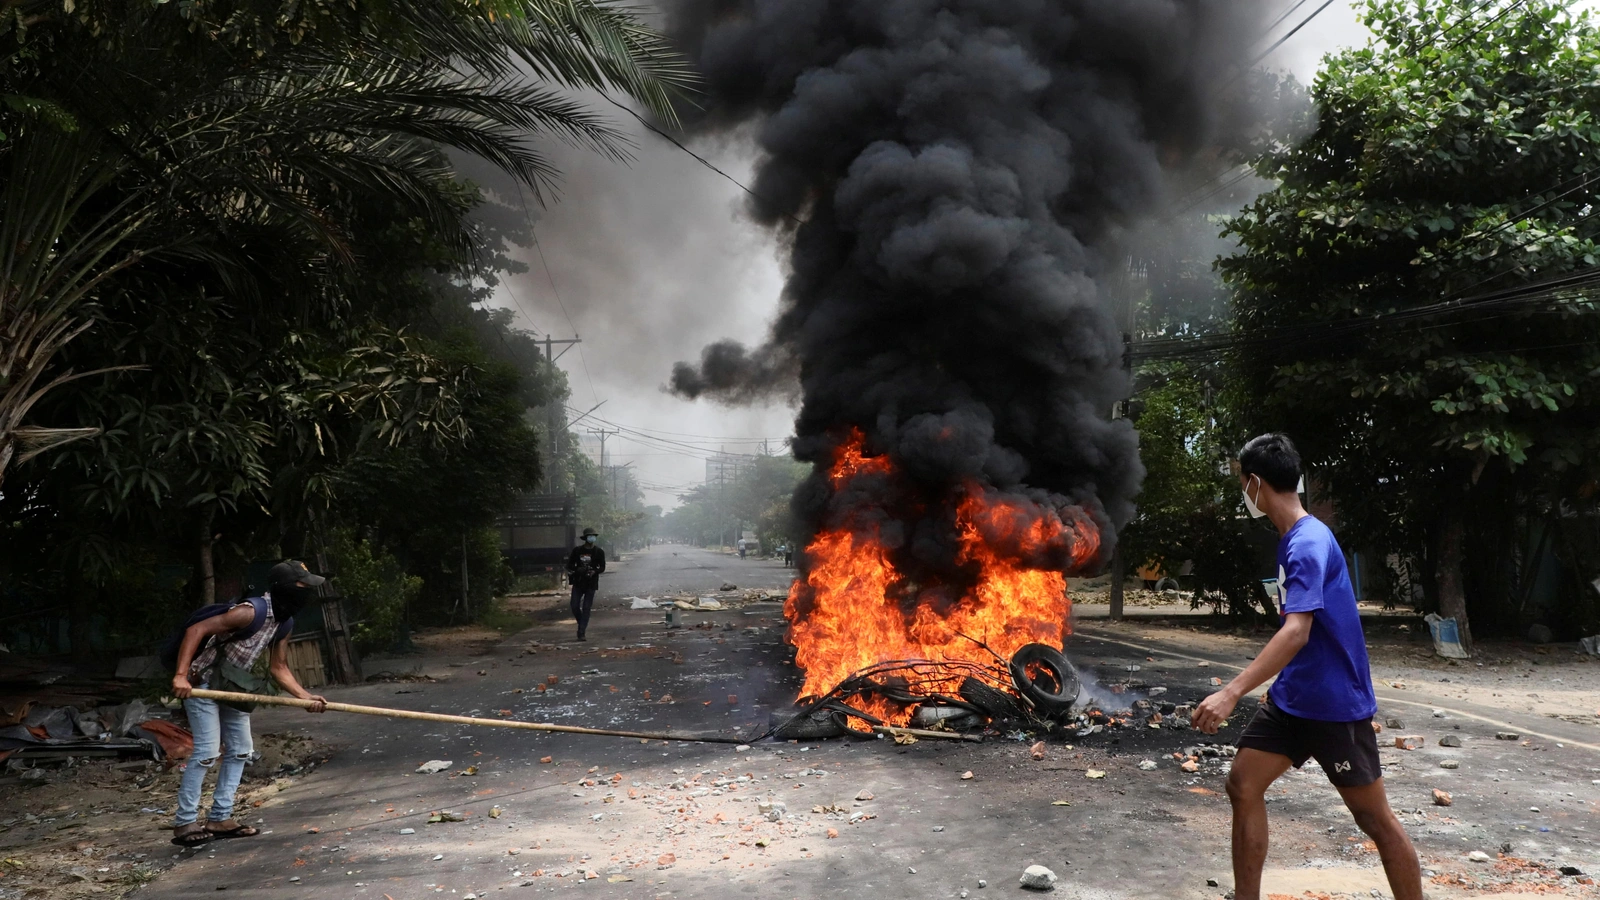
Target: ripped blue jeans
[{"x": 216, "y": 729}]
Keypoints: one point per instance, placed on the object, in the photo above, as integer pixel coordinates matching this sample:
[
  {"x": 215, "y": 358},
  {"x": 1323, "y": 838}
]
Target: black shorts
[{"x": 1347, "y": 751}]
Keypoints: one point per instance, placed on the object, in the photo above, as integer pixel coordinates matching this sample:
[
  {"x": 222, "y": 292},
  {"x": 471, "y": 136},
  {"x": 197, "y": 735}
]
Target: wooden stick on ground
[
  {"x": 893, "y": 730},
  {"x": 231, "y": 697},
  {"x": 267, "y": 700}
]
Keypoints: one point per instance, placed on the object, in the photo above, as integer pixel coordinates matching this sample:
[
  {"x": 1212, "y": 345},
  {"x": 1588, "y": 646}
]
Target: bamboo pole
[
  {"x": 892, "y": 730},
  {"x": 268, "y": 700},
  {"x": 231, "y": 697}
]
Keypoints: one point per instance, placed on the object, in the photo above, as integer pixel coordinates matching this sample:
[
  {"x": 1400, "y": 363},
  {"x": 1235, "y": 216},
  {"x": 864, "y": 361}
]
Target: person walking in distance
[
  {"x": 217, "y": 648},
  {"x": 584, "y": 566},
  {"x": 1322, "y": 703}
]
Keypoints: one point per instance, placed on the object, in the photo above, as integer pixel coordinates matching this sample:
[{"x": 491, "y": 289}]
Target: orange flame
[{"x": 853, "y": 609}]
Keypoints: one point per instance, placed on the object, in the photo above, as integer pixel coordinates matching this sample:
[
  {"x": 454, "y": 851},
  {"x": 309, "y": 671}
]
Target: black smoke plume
[{"x": 952, "y": 177}]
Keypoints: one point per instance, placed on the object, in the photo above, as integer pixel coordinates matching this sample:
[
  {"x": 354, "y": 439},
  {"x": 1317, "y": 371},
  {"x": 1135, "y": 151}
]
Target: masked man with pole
[
  {"x": 584, "y": 565},
  {"x": 217, "y": 649},
  {"x": 1322, "y": 703}
]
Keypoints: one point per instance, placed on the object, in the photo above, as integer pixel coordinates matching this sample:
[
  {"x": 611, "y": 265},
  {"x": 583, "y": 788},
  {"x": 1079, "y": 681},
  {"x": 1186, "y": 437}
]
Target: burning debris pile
[{"x": 951, "y": 178}]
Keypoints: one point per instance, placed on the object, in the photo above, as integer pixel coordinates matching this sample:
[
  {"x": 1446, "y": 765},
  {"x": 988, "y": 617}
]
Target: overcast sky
[{"x": 649, "y": 262}]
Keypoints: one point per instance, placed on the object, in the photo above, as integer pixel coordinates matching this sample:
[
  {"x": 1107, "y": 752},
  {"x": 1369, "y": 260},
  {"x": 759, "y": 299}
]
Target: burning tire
[
  {"x": 808, "y": 726},
  {"x": 995, "y": 703},
  {"x": 1045, "y": 679}
]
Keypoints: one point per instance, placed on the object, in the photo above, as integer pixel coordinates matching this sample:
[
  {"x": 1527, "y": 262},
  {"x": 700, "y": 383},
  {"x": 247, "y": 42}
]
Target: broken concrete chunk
[
  {"x": 433, "y": 767},
  {"x": 1441, "y": 798},
  {"x": 1409, "y": 741},
  {"x": 1037, "y": 878}
]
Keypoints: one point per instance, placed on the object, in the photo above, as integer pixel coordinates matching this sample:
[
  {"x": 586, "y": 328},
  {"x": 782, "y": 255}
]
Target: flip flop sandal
[
  {"x": 191, "y": 835},
  {"x": 238, "y": 830}
]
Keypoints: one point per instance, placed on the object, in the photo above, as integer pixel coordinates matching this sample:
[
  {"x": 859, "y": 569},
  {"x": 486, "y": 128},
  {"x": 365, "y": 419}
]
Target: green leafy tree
[
  {"x": 245, "y": 144},
  {"x": 1414, "y": 295},
  {"x": 1189, "y": 508}
]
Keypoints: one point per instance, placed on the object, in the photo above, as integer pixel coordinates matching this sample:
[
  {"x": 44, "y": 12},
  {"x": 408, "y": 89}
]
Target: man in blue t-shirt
[{"x": 1322, "y": 702}]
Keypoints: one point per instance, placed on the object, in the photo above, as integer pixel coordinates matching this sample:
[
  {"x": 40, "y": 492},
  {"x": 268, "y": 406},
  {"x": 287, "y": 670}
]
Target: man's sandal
[
  {"x": 191, "y": 835},
  {"x": 236, "y": 829}
]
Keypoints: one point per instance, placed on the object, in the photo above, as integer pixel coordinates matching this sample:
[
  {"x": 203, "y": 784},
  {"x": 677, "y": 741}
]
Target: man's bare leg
[
  {"x": 1252, "y": 773},
  {"x": 1370, "y": 806}
]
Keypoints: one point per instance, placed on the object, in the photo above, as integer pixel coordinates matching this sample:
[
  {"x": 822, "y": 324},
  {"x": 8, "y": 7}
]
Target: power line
[
  {"x": 1279, "y": 42},
  {"x": 702, "y": 160}
]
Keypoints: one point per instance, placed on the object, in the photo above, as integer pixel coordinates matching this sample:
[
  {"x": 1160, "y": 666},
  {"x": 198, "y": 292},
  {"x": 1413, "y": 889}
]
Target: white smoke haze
[{"x": 651, "y": 260}]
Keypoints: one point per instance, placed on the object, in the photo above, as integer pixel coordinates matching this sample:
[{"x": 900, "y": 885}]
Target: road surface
[{"x": 860, "y": 818}]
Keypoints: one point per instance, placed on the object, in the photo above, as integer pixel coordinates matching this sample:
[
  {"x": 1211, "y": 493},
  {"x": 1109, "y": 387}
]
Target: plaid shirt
[{"x": 241, "y": 652}]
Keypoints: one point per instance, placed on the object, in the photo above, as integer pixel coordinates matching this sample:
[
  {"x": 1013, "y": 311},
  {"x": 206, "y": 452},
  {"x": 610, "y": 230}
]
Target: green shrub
[{"x": 376, "y": 586}]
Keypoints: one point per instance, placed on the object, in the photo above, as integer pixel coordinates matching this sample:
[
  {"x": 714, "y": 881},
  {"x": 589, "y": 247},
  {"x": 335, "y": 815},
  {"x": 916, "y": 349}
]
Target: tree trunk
[
  {"x": 1119, "y": 574},
  {"x": 1452, "y": 595},
  {"x": 205, "y": 569},
  {"x": 79, "y": 612}
]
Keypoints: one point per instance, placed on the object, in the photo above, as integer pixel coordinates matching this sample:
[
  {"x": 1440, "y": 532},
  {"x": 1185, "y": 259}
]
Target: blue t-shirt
[{"x": 1329, "y": 679}]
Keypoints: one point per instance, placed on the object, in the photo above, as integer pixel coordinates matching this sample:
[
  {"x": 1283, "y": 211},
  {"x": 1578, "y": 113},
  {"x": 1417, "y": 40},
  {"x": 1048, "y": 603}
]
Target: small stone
[
  {"x": 1438, "y": 714},
  {"x": 438, "y": 856},
  {"x": 982, "y": 883},
  {"x": 1571, "y": 870},
  {"x": 741, "y": 748},
  {"x": 1441, "y": 798},
  {"x": 1394, "y": 722},
  {"x": 1037, "y": 750},
  {"x": 433, "y": 767},
  {"x": 938, "y": 828},
  {"x": 1479, "y": 856},
  {"x": 1449, "y": 763},
  {"x": 1094, "y": 773},
  {"x": 1212, "y": 882},
  {"x": 1037, "y": 878},
  {"x": 1506, "y": 735},
  {"x": 1190, "y": 765},
  {"x": 967, "y": 775},
  {"x": 294, "y": 879},
  {"x": 864, "y": 795},
  {"x": 1146, "y": 765},
  {"x": 1450, "y": 740},
  {"x": 1409, "y": 742},
  {"x": 910, "y": 871},
  {"x": 408, "y": 831}
]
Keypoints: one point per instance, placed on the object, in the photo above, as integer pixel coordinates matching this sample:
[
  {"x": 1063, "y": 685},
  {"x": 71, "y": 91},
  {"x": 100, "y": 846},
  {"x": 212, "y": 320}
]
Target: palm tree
[{"x": 246, "y": 149}]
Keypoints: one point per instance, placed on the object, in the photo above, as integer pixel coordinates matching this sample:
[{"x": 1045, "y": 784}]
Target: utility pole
[
  {"x": 554, "y": 416},
  {"x": 1119, "y": 561},
  {"x": 604, "y": 433}
]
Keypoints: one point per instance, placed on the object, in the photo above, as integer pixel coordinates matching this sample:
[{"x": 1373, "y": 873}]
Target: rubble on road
[{"x": 132, "y": 729}]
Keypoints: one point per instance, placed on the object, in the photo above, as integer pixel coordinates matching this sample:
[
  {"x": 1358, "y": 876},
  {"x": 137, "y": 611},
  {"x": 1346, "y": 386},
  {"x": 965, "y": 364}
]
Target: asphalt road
[{"x": 859, "y": 817}]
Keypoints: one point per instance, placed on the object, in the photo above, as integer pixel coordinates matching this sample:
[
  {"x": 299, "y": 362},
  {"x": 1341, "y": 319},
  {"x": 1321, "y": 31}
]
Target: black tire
[
  {"x": 991, "y": 701},
  {"x": 816, "y": 723},
  {"x": 1053, "y": 689}
]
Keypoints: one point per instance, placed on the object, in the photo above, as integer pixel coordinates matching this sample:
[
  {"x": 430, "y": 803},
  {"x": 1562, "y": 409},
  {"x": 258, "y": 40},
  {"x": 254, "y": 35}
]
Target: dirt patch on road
[{"x": 101, "y": 829}]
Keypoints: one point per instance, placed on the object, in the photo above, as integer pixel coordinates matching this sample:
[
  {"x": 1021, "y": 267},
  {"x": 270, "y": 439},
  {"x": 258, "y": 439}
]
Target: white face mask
[
  {"x": 1257, "y": 512},
  {"x": 1250, "y": 504}
]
